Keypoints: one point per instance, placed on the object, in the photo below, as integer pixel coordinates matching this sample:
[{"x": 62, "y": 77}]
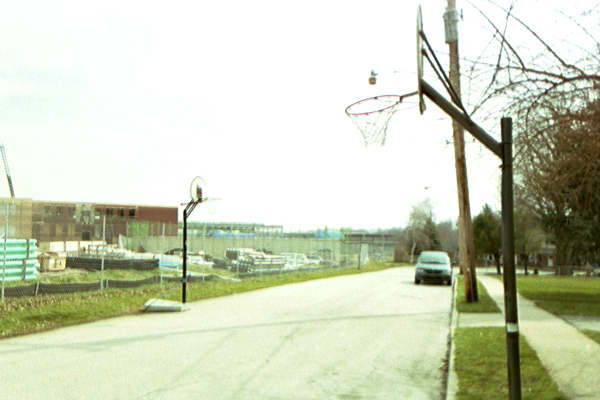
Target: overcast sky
[{"x": 127, "y": 101}]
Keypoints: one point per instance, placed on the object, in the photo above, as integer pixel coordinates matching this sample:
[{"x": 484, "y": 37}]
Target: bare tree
[
  {"x": 525, "y": 78},
  {"x": 553, "y": 99},
  {"x": 419, "y": 227},
  {"x": 560, "y": 178},
  {"x": 529, "y": 235},
  {"x": 448, "y": 235}
]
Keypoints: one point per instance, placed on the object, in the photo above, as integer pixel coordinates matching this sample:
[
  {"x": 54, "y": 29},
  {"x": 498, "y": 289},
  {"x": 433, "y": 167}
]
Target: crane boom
[{"x": 10, "y": 185}]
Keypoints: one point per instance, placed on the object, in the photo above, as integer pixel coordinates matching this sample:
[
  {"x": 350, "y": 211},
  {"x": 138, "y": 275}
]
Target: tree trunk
[
  {"x": 563, "y": 257},
  {"x": 498, "y": 268}
]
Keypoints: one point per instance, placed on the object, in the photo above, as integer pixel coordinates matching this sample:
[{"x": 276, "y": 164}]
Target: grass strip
[
  {"x": 484, "y": 305},
  {"x": 34, "y": 314},
  {"x": 562, "y": 295},
  {"x": 594, "y": 335},
  {"x": 480, "y": 364}
]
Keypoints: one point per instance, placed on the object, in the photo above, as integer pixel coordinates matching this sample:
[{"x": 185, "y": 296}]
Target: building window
[
  {"x": 121, "y": 212},
  {"x": 47, "y": 210},
  {"x": 59, "y": 211},
  {"x": 109, "y": 212},
  {"x": 132, "y": 212}
]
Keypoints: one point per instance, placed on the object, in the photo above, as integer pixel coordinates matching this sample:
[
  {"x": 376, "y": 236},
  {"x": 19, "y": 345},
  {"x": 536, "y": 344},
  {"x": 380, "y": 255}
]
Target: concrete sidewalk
[{"x": 571, "y": 358}]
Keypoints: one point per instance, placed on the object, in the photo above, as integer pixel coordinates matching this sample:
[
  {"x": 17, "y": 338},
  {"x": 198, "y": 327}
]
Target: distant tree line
[{"x": 422, "y": 232}]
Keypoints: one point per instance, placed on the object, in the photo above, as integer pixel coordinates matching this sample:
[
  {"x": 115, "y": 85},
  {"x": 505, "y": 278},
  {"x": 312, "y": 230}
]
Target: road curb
[{"x": 452, "y": 379}]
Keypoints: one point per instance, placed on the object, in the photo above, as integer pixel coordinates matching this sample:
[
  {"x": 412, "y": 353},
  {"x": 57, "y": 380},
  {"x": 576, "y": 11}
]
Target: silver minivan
[{"x": 433, "y": 266}]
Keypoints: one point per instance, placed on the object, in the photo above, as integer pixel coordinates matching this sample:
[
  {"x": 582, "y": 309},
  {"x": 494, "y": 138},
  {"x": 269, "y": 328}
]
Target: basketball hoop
[{"x": 372, "y": 115}]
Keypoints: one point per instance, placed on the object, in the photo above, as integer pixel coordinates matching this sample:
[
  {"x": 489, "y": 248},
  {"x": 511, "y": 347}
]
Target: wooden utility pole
[{"x": 465, "y": 229}]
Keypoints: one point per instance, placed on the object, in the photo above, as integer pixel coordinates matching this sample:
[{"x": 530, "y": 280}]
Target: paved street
[{"x": 369, "y": 336}]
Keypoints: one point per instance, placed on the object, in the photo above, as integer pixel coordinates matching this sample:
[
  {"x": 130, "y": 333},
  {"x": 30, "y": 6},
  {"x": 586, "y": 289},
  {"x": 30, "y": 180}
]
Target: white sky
[{"x": 127, "y": 101}]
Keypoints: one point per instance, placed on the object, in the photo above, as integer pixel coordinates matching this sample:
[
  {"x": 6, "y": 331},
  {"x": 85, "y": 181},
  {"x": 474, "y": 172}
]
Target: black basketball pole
[
  {"x": 186, "y": 213},
  {"x": 508, "y": 253},
  {"x": 504, "y": 151}
]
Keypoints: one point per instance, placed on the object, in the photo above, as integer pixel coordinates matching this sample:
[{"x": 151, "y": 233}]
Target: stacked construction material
[{"x": 21, "y": 260}]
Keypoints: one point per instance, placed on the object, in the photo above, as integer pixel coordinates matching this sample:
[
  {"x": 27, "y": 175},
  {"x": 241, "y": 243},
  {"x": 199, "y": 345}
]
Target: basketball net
[{"x": 371, "y": 116}]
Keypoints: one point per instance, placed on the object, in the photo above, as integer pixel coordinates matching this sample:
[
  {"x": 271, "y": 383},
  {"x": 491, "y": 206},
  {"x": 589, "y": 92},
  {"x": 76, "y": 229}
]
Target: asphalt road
[{"x": 368, "y": 336}]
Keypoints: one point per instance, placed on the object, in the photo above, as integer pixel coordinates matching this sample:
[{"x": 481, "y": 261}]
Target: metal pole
[
  {"x": 482, "y": 136},
  {"x": 12, "y": 195},
  {"x": 103, "y": 252},
  {"x": 504, "y": 151},
  {"x": 184, "y": 279},
  {"x": 4, "y": 256},
  {"x": 186, "y": 213},
  {"x": 10, "y": 185},
  {"x": 508, "y": 254}
]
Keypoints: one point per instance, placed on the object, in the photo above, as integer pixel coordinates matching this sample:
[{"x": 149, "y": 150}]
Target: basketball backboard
[{"x": 197, "y": 189}]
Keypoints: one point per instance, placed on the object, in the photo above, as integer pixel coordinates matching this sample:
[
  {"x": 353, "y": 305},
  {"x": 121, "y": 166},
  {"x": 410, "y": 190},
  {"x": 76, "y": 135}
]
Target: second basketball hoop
[{"x": 373, "y": 114}]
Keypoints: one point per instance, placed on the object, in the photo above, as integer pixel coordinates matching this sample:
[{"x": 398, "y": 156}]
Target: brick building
[{"x": 59, "y": 221}]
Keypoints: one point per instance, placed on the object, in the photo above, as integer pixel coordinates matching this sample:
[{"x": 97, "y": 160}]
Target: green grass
[
  {"x": 484, "y": 305},
  {"x": 562, "y": 295},
  {"x": 480, "y": 364},
  {"x": 207, "y": 269},
  {"x": 33, "y": 314},
  {"x": 594, "y": 335}
]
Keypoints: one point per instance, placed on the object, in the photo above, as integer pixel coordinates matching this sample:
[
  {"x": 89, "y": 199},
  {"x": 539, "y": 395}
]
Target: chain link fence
[
  {"x": 167, "y": 269},
  {"x": 40, "y": 288},
  {"x": 67, "y": 267}
]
